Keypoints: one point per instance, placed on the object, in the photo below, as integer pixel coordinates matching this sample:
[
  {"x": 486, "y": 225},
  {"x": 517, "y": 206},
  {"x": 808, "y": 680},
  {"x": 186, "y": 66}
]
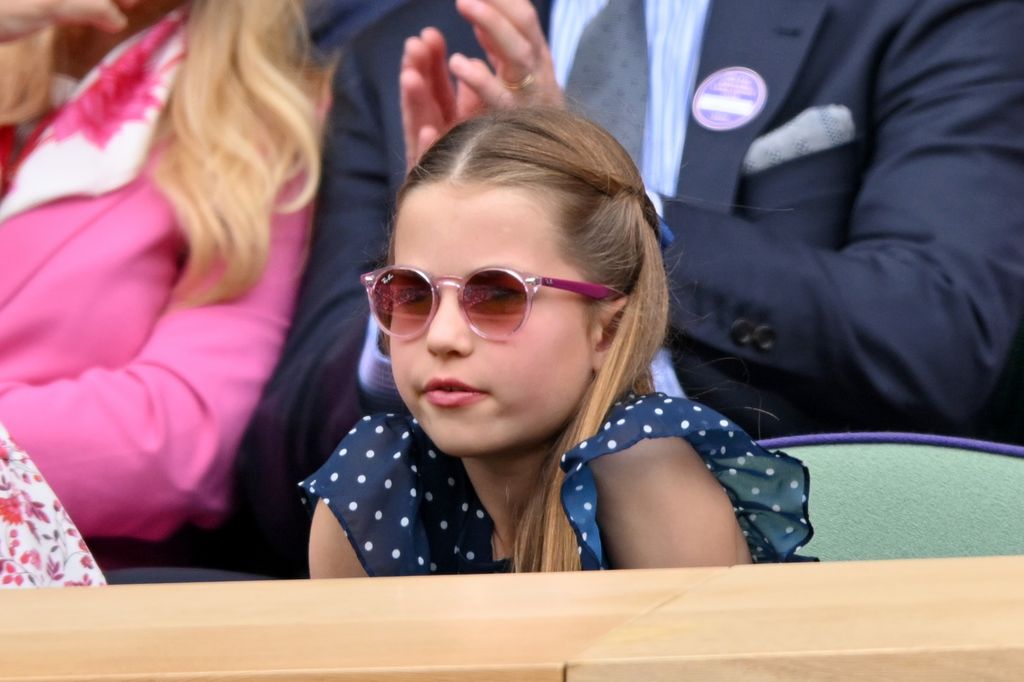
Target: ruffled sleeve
[
  {"x": 768, "y": 490},
  {"x": 406, "y": 507}
]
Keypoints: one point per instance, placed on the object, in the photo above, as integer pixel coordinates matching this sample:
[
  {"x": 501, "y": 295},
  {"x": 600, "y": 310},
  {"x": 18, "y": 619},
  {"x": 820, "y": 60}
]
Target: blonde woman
[{"x": 158, "y": 162}]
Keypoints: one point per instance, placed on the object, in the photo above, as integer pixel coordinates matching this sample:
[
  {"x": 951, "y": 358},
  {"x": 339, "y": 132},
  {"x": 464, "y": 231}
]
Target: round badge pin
[{"x": 729, "y": 98}]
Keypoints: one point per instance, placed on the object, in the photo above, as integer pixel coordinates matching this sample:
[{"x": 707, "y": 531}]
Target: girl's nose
[{"x": 449, "y": 333}]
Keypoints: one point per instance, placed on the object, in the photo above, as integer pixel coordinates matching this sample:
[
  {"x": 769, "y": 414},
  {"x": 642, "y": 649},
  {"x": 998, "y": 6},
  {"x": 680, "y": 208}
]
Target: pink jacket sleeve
[{"x": 140, "y": 450}]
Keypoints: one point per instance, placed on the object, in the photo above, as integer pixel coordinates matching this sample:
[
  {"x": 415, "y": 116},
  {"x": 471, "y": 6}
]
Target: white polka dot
[
  {"x": 334, "y": 477},
  {"x": 465, "y": 506},
  {"x": 342, "y": 452},
  {"x": 579, "y": 466},
  {"x": 658, "y": 411},
  {"x": 684, "y": 425},
  {"x": 583, "y": 445},
  {"x": 752, "y": 517},
  {"x": 456, "y": 549},
  {"x": 741, "y": 460},
  {"x": 668, "y": 401},
  {"x": 378, "y": 515},
  {"x": 588, "y": 506},
  {"x": 405, "y": 521},
  {"x": 361, "y": 479},
  {"x": 368, "y": 546},
  {"x": 607, "y": 425},
  {"x": 769, "y": 471},
  {"x": 584, "y": 537},
  {"x": 789, "y": 530},
  {"x": 431, "y": 454},
  {"x": 351, "y": 432},
  {"x": 776, "y": 508},
  {"x": 579, "y": 488},
  {"x": 794, "y": 485},
  {"x": 387, "y": 484},
  {"x": 612, "y": 444},
  {"x": 429, "y": 497},
  {"x": 379, "y": 429},
  {"x": 562, "y": 460},
  {"x": 353, "y": 506},
  {"x": 395, "y": 554},
  {"x": 731, "y": 434},
  {"x": 647, "y": 428},
  {"x": 327, "y": 501},
  {"x": 755, "y": 491},
  {"x": 413, "y": 469},
  {"x": 721, "y": 450},
  {"x": 479, "y": 513},
  {"x": 732, "y": 472},
  {"x": 628, "y": 407},
  {"x": 433, "y": 566},
  {"x": 419, "y": 560},
  {"x": 696, "y": 408},
  {"x": 444, "y": 525},
  {"x": 397, "y": 455},
  {"x": 366, "y": 418},
  {"x": 702, "y": 432},
  {"x": 579, "y": 550},
  {"x": 405, "y": 435},
  {"x": 803, "y": 498},
  {"x": 803, "y": 521},
  {"x": 370, "y": 454},
  {"x": 451, "y": 481},
  {"x": 620, "y": 422},
  {"x": 412, "y": 492},
  {"x": 470, "y": 555},
  {"x": 724, "y": 422}
]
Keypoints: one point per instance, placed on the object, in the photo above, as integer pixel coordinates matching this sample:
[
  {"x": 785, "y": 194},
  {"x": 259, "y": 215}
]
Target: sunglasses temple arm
[{"x": 588, "y": 289}]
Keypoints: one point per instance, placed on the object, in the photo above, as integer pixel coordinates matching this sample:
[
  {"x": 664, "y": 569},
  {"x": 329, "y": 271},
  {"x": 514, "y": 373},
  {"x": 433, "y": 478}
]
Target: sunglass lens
[
  {"x": 495, "y": 302},
  {"x": 402, "y": 300}
]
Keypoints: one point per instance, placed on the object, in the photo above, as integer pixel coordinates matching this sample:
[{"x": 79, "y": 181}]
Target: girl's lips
[
  {"x": 451, "y": 393},
  {"x": 447, "y": 398}
]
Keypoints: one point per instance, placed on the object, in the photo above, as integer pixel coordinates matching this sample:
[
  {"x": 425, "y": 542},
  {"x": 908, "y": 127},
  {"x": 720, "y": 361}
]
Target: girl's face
[{"x": 511, "y": 397}]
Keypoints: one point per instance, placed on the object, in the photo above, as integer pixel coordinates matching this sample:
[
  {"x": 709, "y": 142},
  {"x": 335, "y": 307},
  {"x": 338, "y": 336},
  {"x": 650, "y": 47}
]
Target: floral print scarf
[{"x": 99, "y": 139}]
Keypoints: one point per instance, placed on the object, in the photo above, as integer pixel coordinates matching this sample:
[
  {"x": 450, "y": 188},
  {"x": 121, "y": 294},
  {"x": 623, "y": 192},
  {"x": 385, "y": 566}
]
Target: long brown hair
[
  {"x": 609, "y": 231},
  {"x": 240, "y": 136}
]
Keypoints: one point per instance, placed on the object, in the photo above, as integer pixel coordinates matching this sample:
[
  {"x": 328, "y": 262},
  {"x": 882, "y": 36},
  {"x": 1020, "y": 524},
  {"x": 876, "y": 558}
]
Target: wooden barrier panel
[
  {"x": 941, "y": 619},
  {"x": 447, "y": 628},
  {"x": 944, "y": 619}
]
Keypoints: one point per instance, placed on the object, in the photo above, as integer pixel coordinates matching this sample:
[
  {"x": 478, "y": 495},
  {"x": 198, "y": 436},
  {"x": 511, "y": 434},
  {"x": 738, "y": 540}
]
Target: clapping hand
[
  {"x": 518, "y": 70},
  {"x": 20, "y": 18}
]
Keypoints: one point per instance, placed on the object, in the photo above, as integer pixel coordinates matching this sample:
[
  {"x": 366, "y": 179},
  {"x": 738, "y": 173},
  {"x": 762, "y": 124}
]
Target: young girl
[{"x": 523, "y": 301}]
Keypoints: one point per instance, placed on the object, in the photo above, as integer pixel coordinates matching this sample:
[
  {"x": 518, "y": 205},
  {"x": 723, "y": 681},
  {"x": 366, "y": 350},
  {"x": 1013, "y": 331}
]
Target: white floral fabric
[{"x": 39, "y": 545}]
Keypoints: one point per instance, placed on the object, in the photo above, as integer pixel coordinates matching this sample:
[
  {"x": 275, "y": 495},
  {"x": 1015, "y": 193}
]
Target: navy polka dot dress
[{"x": 409, "y": 509}]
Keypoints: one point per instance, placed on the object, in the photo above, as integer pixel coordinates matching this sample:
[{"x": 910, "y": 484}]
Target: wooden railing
[{"x": 950, "y": 619}]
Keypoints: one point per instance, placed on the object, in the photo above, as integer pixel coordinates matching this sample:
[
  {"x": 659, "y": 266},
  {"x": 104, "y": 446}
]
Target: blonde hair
[
  {"x": 239, "y": 139},
  {"x": 610, "y": 232}
]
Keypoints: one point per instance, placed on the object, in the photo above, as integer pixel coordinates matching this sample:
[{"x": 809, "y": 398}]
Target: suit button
[
  {"x": 764, "y": 337},
  {"x": 742, "y": 331}
]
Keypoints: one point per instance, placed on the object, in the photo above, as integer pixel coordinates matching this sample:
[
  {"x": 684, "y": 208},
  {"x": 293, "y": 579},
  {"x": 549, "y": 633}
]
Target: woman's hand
[{"x": 19, "y": 18}]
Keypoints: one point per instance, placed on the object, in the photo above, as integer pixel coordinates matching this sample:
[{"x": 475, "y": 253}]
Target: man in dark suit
[{"x": 871, "y": 282}]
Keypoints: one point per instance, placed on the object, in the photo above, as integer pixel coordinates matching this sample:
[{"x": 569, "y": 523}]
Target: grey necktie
[{"x": 608, "y": 80}]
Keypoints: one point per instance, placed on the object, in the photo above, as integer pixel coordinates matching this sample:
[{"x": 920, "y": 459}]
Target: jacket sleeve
[
  {"x": 909, "y": 319},
  {"x": 140, "y": 450}
]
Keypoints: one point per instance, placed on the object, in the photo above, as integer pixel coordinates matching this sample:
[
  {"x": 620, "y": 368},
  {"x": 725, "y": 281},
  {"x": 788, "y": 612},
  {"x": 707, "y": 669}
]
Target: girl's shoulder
[
  {"x": 768, "y": 489},
  {"x": 406, "y": 507}
]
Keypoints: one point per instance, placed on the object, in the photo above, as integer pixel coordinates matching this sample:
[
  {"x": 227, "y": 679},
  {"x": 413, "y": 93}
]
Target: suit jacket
[{"x": 873, "y": 285}]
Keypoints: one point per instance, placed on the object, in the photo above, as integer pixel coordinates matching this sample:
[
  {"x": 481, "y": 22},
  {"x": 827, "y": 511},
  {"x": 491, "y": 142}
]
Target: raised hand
[
  {"x": 20, "y": 18},
  {"x": 518, "y": 69}
]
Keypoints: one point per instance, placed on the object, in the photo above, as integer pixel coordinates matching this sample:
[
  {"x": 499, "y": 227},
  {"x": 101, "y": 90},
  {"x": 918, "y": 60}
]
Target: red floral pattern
[{"x": 39, "y": 545}]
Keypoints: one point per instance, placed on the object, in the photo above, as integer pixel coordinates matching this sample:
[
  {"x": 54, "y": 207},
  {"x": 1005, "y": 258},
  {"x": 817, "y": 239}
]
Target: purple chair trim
[{"x": 893, "y": 438}]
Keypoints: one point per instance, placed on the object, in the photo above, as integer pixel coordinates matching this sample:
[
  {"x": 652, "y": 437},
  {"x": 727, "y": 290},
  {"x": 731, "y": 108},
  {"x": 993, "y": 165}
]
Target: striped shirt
[{"x": 675, "y": 31}]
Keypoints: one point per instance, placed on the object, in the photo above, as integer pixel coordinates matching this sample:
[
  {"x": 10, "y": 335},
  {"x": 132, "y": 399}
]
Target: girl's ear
[{"x": 604, "y": 326}]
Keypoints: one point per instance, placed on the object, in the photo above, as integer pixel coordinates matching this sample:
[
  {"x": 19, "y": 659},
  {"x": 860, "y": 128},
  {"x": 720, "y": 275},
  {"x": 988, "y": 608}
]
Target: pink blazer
[{"x": 132, "y": 406}]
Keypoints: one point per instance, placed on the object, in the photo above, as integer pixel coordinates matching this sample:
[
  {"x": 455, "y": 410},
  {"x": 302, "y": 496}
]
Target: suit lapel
[{"x": 771, "y": 37}]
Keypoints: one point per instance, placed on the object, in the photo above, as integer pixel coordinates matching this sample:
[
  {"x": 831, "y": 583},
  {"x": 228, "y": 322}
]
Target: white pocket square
[{"x": 813, "y": 130}]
